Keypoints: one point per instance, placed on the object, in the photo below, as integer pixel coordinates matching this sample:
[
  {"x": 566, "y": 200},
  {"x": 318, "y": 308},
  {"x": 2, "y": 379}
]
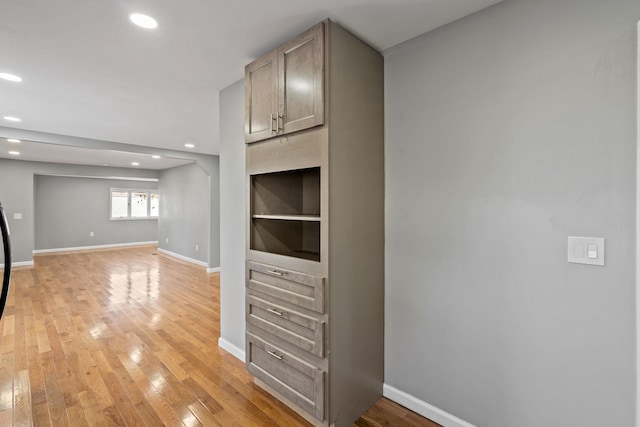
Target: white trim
[
  {"x": 20, "y": 264},
  {"x": 117, "y": 178},
  {"x": 232, "y": 349},
  {"x": 93, "y": 248},
  {"x": 137, "y": 218},
  {"x": 183, "y": 258},
  {"x": 213, "y": 270},
  {"x": 637, "y": 254},
  {"x": 423, "y": 408}
]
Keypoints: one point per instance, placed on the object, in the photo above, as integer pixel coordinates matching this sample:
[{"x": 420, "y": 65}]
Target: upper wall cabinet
[
  {"x": 261, "y": 97},
  {"x": 284, "y": 89},
  {"x": 301, "y": 81}
]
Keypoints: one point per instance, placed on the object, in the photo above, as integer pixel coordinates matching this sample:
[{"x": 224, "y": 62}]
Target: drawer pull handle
[
  {"x": 274, "y": 311},
  {"x": 275, "y": 273},
  {"x": 276, "y": 355}
]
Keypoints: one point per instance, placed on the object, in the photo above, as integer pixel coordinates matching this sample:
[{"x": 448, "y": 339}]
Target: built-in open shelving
[{"x": 285, "y": 213}]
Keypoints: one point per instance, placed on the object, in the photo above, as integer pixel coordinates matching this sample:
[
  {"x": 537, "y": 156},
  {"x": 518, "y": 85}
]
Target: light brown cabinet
[
  {"x": 315, "y": 226},
  {"x": 285, "y": 88},
  {"x": 261, "y": 97},
  {"x": 293, "y": 378},
  {"x": 304, "y": 331}
]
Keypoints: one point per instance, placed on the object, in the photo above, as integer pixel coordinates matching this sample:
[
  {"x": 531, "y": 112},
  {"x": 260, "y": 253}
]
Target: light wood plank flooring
[{"x": 129, "y": 338}]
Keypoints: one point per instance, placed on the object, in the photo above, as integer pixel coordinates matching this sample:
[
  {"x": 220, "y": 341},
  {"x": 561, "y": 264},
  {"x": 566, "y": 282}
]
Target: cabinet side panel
[{"x": 356, "y": 226}]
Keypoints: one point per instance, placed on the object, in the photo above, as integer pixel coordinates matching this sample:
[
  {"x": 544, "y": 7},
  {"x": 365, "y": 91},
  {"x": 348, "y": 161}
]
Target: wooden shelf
[
  {"x": 285, "y": 217},
  {"x": 311, "y": 218}
]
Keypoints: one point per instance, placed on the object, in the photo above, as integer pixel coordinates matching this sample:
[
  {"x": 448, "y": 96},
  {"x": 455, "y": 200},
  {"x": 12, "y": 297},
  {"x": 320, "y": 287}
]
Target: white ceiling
[
  {"x": 89, "y": 72},
  {"x": 44, "y": 152}
]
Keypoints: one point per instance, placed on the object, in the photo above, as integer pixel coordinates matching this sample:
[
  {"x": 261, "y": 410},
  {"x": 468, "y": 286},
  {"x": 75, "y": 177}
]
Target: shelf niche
[{"x": 285, "y": 213}]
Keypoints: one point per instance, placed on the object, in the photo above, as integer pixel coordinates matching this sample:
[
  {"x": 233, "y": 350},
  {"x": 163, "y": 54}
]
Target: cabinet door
[
  {"x": 261, "y": 98},
  {"x": 301, "y": 81}
]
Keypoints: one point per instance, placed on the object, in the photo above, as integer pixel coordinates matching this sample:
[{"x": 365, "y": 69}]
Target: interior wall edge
[
  {"x": 638, "y": 231},
  {"x": 232, "y": 349}
]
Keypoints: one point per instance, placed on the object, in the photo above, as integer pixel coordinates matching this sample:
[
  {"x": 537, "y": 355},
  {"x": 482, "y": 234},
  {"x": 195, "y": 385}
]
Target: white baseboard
[
  {"x": 93, "y": 248},
  {"x": 20, "y": 264},
  {"x": 423, "y": 408},
  {"x": 213, "y": 270},
  {"x": 231, "y": 348},
  {"x": 183, "y": 258}
]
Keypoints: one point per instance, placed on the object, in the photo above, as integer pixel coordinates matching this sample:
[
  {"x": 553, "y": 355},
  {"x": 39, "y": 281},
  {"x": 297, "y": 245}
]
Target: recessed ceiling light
[
  {"x": 15, "y": 141},
  {"x": 12, "y": 119},
  {"x": 105, "y": 164},
  {"x": 189, "y": 145},
  {"x": 144, "y": 21},
  {"x": 135, "y": 164},
  {"x": 10, "y": 77},
  {"x": 14, "y": 153},
  {"x": 155, "y": 157}
]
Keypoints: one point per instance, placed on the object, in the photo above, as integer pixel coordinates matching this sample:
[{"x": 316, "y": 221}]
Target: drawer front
[
  {"x": 297, "y": 288},
  {"x": 295, "y": 328},
  {"x": 295, "y": 379}
]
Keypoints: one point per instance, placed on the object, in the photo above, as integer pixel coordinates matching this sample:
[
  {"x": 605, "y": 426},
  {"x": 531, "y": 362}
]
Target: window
[
  {"x": 155, "y": 204},
  {"x": 139, "y": 204},
  {"x": 119, "y": 204},
  {"x": 134, "y": 204}
]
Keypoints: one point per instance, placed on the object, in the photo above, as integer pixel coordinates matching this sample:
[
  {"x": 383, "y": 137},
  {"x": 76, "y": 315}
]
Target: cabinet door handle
[
  {"x": 275, "y": 273},
  {"x": 274, "y": 128},
  {"x": 274, "y": 354},
  {"x": 274, "y": 311},
  {"x": 280, "y": 122}
]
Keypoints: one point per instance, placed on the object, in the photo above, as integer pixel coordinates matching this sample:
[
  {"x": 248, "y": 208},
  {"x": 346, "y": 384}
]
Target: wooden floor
[{"x": 129, "y": 338}]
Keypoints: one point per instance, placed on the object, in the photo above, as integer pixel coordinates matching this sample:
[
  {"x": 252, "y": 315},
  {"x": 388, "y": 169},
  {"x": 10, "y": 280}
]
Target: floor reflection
[
  {"x": 6, "y": 395},
  {"x": 140, "y": 286}
]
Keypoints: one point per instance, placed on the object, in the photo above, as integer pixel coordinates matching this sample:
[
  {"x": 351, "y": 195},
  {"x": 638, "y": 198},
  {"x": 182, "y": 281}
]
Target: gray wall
[
  {"x": 232, "y": 214},
  {"x": 508, "y": 131},
  {"x": 210, "y": 164},
  {"x": 185, "y": 212},
  {"x": 17, "y": 195},
  {"x": 213, "y": 168},
  {"x": 67, "y": 209}
]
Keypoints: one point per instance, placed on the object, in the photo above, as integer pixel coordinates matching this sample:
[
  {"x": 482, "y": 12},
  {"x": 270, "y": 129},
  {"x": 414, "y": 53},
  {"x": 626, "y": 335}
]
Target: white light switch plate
[
  {"x": 17, "y": 216},
  {"x": 585, "y": 250}
]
